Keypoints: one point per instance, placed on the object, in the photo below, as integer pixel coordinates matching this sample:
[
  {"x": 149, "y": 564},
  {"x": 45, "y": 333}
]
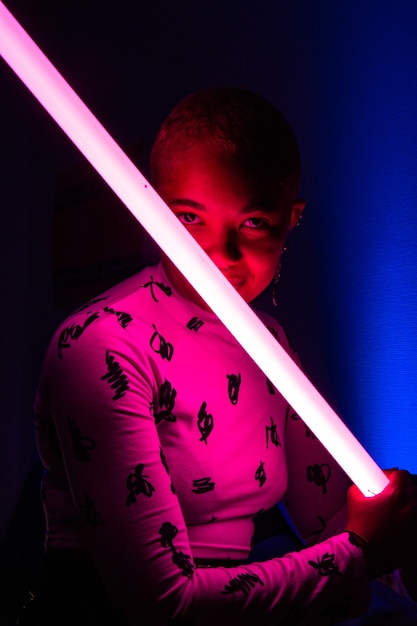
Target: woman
[{"x": 163, "y": 442}]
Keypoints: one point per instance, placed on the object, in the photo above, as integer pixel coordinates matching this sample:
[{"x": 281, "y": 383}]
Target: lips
[{"x": 236, "y": 281}]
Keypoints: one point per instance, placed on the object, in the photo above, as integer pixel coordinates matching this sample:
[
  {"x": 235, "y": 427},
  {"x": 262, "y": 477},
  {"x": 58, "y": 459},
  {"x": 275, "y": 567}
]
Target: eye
[
  {"x": 256, "y": 223},
  {"x": 188, "y": 218}
]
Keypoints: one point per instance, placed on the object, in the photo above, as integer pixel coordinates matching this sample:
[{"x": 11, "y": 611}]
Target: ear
[{"x": 296, "y": 213}]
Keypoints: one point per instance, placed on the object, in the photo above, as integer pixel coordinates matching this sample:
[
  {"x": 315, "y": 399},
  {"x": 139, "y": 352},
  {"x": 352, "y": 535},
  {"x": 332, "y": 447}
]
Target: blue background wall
[
  {"x": 365, "y": 138},
  {"x": 344, "y": 73}
]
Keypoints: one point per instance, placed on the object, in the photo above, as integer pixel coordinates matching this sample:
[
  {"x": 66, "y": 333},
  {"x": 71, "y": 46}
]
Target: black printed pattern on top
[
  {"x": 243, "y": 583},
  {"x": 292, "y": 415},
  {"x": 72, "y": 333},
  {"x": 123, "y": 318},
  {"x": 326, "y": 565},
  {"x": 270, "y": 387},
  {"x": 89, "y": 512},
  {"x": 81, "y": 443},
  {"x": 166, "y": 403},
  {"x": 322, "y": 527},
  {"x": 203, "y": 485},
  {"x": 205, "y": 422},
  {"x": 168, "y": 533},
  {"x": 233, "y": 387},
  {"x": 319, "y": 475},
  {"x": 115, "y": 377},
  {"x": 260, "y": 474},
  {"x": 152, "y": 284},
  {"x": 137, "y": 484},
  {"x": 165, "y": 464},
  {"x": 161, "y": 346},
  {"x": 272, "y": 434},
  {"x": 195, "y": 324}
]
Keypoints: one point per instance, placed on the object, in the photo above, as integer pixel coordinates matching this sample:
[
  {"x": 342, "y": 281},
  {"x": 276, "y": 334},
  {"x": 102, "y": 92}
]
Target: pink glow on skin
[{"x": 70, "y": 113}]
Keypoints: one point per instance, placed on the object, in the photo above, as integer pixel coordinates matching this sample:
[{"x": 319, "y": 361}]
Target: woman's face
[{"x": 235, "y": 219}]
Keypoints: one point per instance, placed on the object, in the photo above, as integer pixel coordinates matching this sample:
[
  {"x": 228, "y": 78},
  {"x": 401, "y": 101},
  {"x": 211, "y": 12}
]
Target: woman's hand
[{"x": 386, "y": 524}]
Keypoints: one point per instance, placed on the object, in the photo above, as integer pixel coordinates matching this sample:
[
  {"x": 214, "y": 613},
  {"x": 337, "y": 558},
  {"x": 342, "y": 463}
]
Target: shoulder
[
  {"x": 277, "y": 330},
  {"x": 119, "y": 312}
]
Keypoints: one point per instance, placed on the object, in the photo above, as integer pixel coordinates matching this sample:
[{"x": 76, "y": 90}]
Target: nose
[{"x": 224, "y": 248}]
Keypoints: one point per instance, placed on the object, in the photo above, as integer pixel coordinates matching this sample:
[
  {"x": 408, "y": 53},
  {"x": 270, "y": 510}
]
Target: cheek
[
  {"x": 263, "y": 266},
  {"x": 264, "y": 253},
  {"x": 201, "y": 237}
]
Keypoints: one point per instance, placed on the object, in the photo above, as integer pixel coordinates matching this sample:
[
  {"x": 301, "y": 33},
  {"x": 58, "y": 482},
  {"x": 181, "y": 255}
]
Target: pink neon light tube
[{"x": 75, "y": 119}]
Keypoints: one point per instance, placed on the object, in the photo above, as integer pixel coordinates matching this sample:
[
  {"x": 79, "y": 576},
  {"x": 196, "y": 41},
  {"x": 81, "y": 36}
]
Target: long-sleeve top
[{"x": 162, "y": 441}]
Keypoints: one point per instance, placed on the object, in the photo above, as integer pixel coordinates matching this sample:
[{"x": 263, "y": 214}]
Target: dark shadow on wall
[{"x": 21, "y": 549}]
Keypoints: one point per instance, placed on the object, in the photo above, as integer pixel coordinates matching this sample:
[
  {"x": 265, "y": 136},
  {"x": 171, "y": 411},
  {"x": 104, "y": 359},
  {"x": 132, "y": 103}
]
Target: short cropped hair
[{"x": 236, "y": 123}]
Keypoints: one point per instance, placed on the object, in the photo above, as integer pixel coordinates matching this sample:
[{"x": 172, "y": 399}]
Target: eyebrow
[
  {"x": 256, "y": 205},
  {"x": 189, "y": 203}
]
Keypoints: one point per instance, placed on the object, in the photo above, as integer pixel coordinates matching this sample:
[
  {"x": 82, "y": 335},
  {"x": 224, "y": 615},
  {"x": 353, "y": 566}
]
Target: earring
[
  {"x": 275, "y": 285},
  {"x": 276, "y": 279}
]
